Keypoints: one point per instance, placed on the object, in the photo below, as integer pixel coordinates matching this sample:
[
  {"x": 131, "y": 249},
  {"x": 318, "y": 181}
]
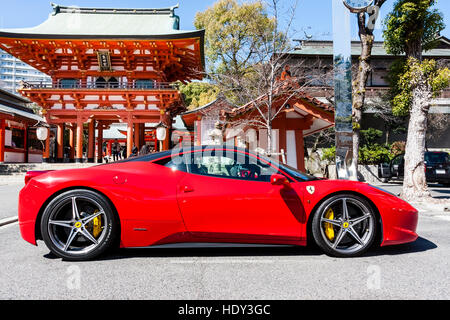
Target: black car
[{"x": 437, "y": 168}]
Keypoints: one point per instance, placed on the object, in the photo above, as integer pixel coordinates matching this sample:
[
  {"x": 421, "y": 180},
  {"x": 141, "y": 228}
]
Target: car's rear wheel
[
  {"x": 344, "y": 226},
  {"x": 78, "y": 225}
]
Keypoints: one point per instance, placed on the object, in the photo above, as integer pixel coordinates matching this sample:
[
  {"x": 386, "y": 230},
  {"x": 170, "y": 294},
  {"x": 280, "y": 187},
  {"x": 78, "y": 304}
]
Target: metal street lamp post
[{"x": 342, "y": 59}]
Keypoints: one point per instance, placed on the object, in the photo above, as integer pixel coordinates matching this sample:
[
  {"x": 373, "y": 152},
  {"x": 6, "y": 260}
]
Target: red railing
[{"x": 100, "y": 85}]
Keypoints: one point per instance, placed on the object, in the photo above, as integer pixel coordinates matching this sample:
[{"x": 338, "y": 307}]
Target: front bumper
[
  {"x": 402, "y": 227},
  {"x": 399, "y": 218}
]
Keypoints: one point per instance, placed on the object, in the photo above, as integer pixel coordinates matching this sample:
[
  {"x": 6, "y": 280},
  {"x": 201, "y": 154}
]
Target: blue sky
[{"x": 312, "y": 16}]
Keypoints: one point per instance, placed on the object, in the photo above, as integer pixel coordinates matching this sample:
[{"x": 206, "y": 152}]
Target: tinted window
[
  {"x": 230, "y": 165},
  {"x": 297, "y": 174},
  {"x": 436, "y": 157},
  {"x": 397, "y": 160},
  {"x": 173, "y": 163}
]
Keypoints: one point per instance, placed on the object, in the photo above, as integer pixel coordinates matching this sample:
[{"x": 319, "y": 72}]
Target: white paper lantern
[
  {"x": 42, "y": 133},
  {"x": 161, "y": 133}
]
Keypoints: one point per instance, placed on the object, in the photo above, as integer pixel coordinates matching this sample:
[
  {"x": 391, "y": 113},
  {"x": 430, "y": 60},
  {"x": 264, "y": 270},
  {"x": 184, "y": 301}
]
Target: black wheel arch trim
[
  {"x": 379, "y": 228},
  {"x": 37, "y": 226}
]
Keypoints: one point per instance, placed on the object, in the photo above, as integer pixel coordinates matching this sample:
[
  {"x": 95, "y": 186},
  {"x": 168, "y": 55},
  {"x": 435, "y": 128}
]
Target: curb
[
  {"x": 6, "y": 221},
  {"x": 433, "y": 209}
]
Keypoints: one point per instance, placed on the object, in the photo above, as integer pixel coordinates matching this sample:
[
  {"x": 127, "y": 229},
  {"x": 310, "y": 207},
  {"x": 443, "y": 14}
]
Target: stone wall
[{"x": 366, "y": 173}]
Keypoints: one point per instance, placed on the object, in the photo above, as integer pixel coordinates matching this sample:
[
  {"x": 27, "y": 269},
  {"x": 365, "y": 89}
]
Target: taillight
[{"x": 31, "y": 174}]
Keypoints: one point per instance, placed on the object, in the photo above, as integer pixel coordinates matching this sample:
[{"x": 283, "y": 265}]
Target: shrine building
[{"x": 107, "y": 66}]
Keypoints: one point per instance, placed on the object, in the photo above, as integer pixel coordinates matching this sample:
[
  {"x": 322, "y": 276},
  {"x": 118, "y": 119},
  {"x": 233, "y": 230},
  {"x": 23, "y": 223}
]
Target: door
[
  {"x": 229, "y": 196},
  {"x": 398, "y": 166},
  {"x": 384, "y": 171}
]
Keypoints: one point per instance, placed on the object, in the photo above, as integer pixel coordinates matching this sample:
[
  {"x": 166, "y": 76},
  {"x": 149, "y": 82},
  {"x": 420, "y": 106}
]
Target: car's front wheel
[
  {"x": 344, "y": 226},
  {"x": 78, "y": 225}
]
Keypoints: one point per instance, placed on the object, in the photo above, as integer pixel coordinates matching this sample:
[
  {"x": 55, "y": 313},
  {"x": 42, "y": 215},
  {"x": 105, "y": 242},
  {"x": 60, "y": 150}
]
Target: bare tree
[
  {"x": 266, "y": 90},
  {"x": 380, "y": 106}
]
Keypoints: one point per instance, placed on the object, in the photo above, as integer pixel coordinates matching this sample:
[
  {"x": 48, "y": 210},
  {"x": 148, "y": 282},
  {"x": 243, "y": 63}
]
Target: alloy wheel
[{"x": 344, "y": 226}]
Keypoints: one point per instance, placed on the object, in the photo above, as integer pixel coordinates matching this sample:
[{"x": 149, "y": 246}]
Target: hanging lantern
[
  {"x": 161, "y": 132},
  {"x": 42, "y": 133}
]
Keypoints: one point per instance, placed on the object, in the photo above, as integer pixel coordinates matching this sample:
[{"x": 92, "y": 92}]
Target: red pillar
[
  {"x": 72, "y": 142},
  {"x": 137, "y": 135},
  {"x": 142, "y": 134},
  {"x": 198, "y": 126},
  {"x": 46, "y": 153},
  {"x": 99, "y": 142},
  {"x": 166, "y": 142},
  {"x": 91, "y": 141},
  {"x": 2, "y": 140},
  {"x": 79, "y": 152},
  {"x": 299, "y": 144},
  {"x": 129, "y": 136},
  {"x": 60, "y": 143}
]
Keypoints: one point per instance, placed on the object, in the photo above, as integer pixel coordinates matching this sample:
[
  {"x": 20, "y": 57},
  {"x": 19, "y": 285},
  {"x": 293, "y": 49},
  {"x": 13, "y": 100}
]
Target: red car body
[{"x": 158, "y": 205}]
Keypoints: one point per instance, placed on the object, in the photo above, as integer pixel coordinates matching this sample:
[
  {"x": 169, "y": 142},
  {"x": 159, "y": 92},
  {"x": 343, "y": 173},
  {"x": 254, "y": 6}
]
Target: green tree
[
  {"x": 246, "y": 48},
  {"x": 197, "y": 94},
  {"x": 235, "y": 34},
  {"x": 411, "y": 28}
]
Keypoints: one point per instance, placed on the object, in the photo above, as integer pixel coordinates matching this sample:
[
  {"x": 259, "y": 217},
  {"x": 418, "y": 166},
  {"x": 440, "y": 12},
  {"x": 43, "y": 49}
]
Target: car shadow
[
  {"x": 420, "y": 245},
  {"x": 226, "y": 250}
]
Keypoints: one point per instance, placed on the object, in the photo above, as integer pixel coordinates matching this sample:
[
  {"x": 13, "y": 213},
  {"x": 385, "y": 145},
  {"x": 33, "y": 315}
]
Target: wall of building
[{"x": 13, "y": 71}]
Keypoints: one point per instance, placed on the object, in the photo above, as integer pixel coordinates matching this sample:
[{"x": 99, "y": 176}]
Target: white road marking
[
  {"x": 6, "y": 226},
  {"x": 446, "y": 218},
  {"x": 7, "y": 221},
  {"x": 219, "y": 261}
]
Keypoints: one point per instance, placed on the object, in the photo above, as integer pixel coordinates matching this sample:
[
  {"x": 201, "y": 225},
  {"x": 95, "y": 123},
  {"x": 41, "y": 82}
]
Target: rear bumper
[
  {"x": 432, "y": 176},
  {"x": 30, "y": 201},
  {"x": 439, "y": 180}
]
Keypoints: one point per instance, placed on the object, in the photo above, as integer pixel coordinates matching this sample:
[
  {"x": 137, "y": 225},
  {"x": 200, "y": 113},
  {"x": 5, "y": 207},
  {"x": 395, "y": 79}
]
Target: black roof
[{"x": 163, "y": 154}]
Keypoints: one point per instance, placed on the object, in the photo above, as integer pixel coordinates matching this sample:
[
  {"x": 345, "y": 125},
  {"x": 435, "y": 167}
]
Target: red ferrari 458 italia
[{"x": 206, "y": 194}]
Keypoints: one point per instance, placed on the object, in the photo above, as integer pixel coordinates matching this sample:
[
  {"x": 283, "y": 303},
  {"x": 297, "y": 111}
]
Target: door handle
[{"x": 187, "y": 189}]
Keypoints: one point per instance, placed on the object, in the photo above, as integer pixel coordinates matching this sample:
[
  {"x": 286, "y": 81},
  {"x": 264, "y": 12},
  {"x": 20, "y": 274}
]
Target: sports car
[{"x": 209, "y": 194}]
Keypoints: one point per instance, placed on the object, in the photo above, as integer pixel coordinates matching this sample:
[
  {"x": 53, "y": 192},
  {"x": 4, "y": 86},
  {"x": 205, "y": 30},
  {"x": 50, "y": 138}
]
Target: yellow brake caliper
[
  {"x": 329, "y": 231},
  {"x": 96, "y": 226}
]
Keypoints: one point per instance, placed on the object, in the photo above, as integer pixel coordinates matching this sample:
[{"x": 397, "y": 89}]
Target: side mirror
[{"x": 279, "y": 180}]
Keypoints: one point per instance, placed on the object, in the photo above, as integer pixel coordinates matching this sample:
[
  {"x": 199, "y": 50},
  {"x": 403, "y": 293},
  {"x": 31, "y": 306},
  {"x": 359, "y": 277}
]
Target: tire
[
  {"x": 81, "y": 234},
  {"x": 344, "y": 233}
]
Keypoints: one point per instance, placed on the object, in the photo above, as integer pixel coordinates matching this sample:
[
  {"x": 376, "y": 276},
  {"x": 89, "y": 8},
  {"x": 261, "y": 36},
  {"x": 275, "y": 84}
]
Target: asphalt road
[
  {"x": 9, "y": 194},
  {"x": 420, "y": 270}
]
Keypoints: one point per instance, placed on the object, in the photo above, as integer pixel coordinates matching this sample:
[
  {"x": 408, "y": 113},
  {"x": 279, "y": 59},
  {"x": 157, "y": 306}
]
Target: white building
[{"x": 13, "y": 71}]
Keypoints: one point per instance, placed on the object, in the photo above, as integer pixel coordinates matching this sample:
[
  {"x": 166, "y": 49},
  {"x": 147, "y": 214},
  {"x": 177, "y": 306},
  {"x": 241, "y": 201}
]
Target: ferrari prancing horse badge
[{"x": 310, "y": 189}]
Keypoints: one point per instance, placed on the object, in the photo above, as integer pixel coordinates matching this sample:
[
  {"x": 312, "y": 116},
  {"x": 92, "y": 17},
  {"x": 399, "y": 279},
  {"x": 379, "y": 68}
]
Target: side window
[
  {"x": 173, "y": 163},
  {"x": 397, "y": 160},
  {"x": 231, "y": 165}
]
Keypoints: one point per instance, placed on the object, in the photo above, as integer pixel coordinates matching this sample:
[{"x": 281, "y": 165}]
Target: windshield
[
  {"x": 293, "y": 172},
  {"x": 297, "y": 174}
]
